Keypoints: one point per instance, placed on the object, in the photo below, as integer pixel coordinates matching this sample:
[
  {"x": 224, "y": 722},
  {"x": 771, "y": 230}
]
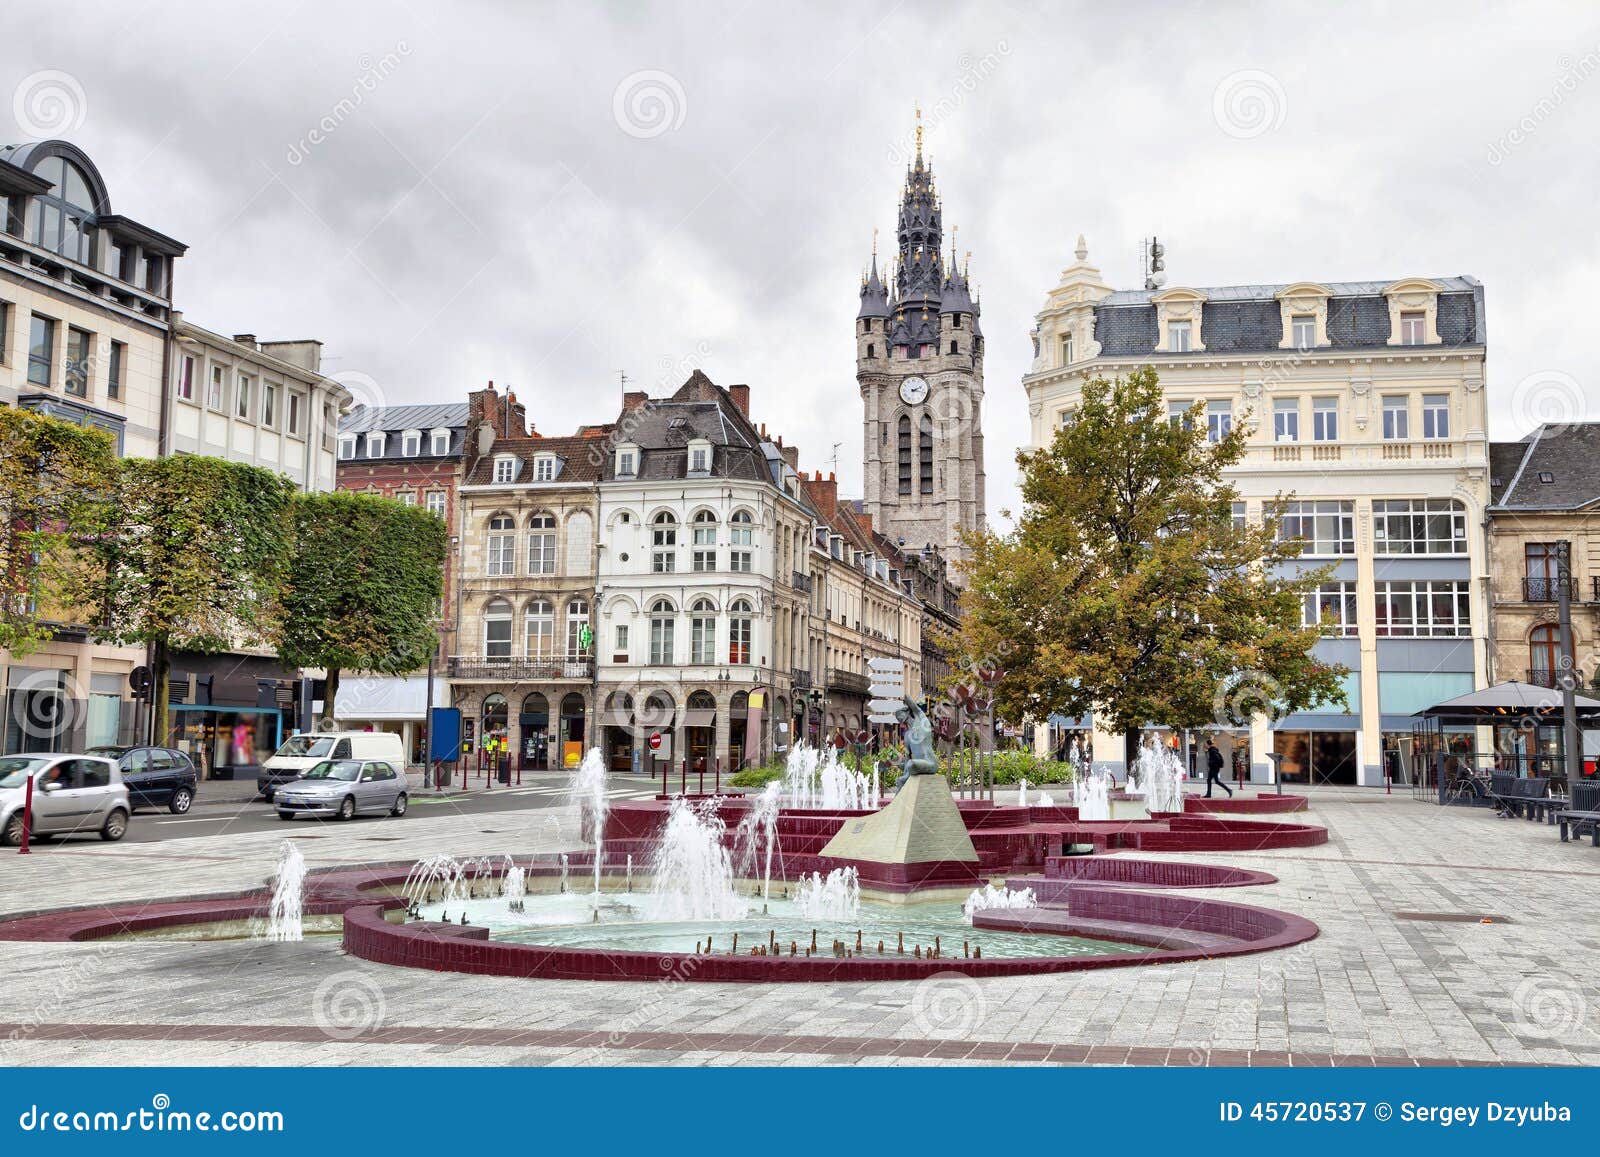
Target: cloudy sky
[{"x": 548, "y": 194}]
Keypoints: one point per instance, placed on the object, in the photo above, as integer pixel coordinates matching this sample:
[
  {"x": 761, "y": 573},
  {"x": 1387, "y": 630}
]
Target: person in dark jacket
[{"x": 1214, "y": 765}]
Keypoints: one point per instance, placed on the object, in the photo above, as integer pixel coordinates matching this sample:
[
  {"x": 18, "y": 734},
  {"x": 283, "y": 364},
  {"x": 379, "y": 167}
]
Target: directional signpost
[{"x": 888, "y": 689}]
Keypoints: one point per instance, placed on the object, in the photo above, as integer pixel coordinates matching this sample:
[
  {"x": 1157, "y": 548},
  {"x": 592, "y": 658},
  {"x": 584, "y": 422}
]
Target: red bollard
[
  {"x": 683, "y": 786},
  {"x": 702, "y": 777},
  {"x": 719, "y": 775},
  {"x": 27, "y": 818}
]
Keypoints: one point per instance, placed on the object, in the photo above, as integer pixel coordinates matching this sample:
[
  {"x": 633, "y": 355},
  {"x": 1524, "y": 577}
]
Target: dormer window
[
  {"x": 440, "y": 442},
  {"x": 1179, "y": 320},
  {"x": 627, "y": 461},
  {"x": 544, "y": 468},
  {"x": 347, "y": 448},
  {"x": 1413, "y": 312},
  {"x": 1303, "y": 310},
  {"x": 1178, "y": 336},
  {"x": 699, "y": 452},
  {"x": 1305, "y": 330},
  {"x": 375, "y": 443},
  {"x": 1066, "y": 349},
  {"x": 411, "y": 443},
  {"x": 505, "y": 468}
]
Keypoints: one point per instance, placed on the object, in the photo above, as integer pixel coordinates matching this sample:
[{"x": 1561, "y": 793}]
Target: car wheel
[
  {"x": 181, "y": 799},
  {"x": 11, "y": 836},
  {"x": 267, "y": 793},
  {"x": 347, "y": 808},
  {"x": 399, "y": 808},
  {"x": 286, "y": 815},
  {"x": 116, "y": 826}
]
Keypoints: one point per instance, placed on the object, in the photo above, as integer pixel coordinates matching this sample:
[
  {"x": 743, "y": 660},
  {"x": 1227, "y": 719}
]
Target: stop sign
[{"x": 655, "y": 741}]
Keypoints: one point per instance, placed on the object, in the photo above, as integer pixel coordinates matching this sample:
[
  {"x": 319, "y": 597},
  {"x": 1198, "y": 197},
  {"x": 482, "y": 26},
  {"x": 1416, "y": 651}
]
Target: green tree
[
  {"x": 365, "y": 578},
  {"x": 1128, "y": 589},
  {"x": 55, "y": 480},
  {"x": 195, "y": 560}
]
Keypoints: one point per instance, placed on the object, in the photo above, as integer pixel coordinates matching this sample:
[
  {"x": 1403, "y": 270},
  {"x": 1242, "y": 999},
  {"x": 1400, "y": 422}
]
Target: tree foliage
[
  {"x": 364, "y": 583},
  {"x": 1128, "y": 589},
  {"x": 55, "y": 483},
  {"x": 195, "y": 559}
]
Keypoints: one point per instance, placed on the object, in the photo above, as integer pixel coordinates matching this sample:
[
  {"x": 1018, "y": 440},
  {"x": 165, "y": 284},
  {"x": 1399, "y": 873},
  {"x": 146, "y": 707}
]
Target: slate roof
[
  {"x": 662, "y": 428},
  {"x": 1567, "y": 453},
  {"x": 393, "y": 420},
  {"x": 1247, "y": 318}
]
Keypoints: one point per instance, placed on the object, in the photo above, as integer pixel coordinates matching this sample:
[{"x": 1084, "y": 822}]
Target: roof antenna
[
  {"x": 622, "y": 381},
  {"x": 836, "y": 446},
  {"x": 1155, "y": 265}
]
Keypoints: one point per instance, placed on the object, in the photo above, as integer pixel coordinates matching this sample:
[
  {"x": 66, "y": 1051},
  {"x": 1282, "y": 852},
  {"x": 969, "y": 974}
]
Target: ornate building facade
[
  {"x": 1365, "y": 402},
  {"x": 919, "y": 365}
]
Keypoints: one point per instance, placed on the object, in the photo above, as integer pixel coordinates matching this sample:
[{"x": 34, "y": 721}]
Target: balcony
[
  {"x": 1543, "y": 677},
  {"x": 800, "y": 582},
  {"x": 1541, "y": 589},
  {"x": 799, "y": 679},
  {"x": 514, "y": 670},
  {"x": 848, "y": 681}
]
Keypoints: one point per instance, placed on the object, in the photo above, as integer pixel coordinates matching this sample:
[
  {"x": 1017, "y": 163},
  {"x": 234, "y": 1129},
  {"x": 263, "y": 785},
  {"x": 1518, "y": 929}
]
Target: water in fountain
[
  {"x": 288, "y": 895},
  {"x": 630, "y": 872},
  {"x": 815, "y": 778},
  {"x": 1045, "y": 800},
  {"x": 514, "y": 883},
  {"x": 692, "y": 870},
  {"x": 836, "y": 896},
  {"x": 989, "y": 896},
  {"x": 800, "y": 776},
  {"x": 588, "y": 791},
  {"x": 1022, "y": 794},
  {"x": 1092, "y": 796},
  {"x": 443, "y": 877},
  {"x": 565, "y": 864},
  {"x": 756, "y": 837},
  {"x": 1163, "y": 778}
]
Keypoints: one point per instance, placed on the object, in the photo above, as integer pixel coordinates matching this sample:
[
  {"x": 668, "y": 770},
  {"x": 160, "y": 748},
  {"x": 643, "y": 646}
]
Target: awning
[
  {"x": 699, "y": 717},
  {"x": 379, "y": 698},
  {"x": 1512, "y": 700}
]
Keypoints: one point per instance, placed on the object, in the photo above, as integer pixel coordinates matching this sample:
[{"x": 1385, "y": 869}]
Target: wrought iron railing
[{"x": 519, "y": 670}]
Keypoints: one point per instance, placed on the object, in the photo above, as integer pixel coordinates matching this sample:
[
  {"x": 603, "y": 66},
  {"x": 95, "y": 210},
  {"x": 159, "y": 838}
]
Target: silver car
[
  {"x": 344, "y": 788},
  {"x": 71, "y": 794}
]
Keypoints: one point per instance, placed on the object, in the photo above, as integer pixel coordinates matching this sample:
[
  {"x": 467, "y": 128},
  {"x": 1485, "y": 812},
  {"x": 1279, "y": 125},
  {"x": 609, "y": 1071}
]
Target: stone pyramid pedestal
[{"x": 919, "y": 841}]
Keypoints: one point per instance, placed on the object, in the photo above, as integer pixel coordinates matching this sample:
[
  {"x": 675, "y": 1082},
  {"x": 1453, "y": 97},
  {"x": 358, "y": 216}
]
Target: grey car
[
  {"x": 344, "y": 788},
  {"x": 80, "y": 794}
]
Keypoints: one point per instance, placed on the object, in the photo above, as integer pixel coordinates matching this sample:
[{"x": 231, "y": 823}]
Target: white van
[{"x": 299, "y": 753}]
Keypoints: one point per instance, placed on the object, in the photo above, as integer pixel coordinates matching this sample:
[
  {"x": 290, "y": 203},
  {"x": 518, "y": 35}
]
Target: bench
[
  {"x": 1583, "y": 814},
  {"x": 1513, "y": 795}
]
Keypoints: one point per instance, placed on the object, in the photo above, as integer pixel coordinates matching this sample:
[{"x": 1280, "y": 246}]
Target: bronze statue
[{"x": 920, "y": 756}]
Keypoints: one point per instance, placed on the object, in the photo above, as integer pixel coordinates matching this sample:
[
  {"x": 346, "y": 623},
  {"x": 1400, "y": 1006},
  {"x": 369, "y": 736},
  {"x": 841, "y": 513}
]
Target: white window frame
[
  {"x": 1436, "y": 417},
  {"x": 703, "y": 633},
  {"x": 1331, "y": 532},
  {"x": 1396, "y": 417},
  {"x": 1424, "y": 599},
  {"x": 439, "y": 443},
  {"x": 1286, "y": 420},
  {"x": 1180, "y": 336},
  {"x": 269, "y": 406},
  {"x": 1219, "y": 420},
  {"x": 1303, "y": 330},
  {"x": 241, "y": 397},
  {"x": 376, "y": 439},
  {"x": 347, "y": 447},
  {"x": 295, "y": 414},
  {"x": 1413, "y": 526},
  {"x": 411, "y": 444},
  {"x": 539, "y": 629},
  {"x": 1325, "y": 419},
  {"x": 1414, "y": 327},
  {"x": 437, "y": 502},
  {"x": 504, "y": 469},
  {"x": 542, "y": 544},
  {"x": 1339, "y": 597},
  {"x": 544, "y": 468},
  {"x": 500, "y": 546}
]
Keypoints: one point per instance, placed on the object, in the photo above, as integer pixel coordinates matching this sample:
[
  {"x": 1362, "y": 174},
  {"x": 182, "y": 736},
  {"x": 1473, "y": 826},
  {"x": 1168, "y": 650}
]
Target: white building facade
[{"x": 1365, "y": 402}]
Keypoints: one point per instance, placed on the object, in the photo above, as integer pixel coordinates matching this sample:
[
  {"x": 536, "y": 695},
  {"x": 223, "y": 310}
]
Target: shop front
[{"x": 228, "y": 713}]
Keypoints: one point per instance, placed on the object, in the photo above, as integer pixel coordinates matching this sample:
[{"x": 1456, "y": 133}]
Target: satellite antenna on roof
[
  {"x": 836, "y": 446},
  {"x": 1155, "y": 264}
]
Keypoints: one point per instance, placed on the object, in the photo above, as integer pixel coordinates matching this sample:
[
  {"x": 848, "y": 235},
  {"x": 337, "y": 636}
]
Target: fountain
[
  {"x": 588, "y": 791},
  {"x": 514, "y": 883},
  {"x": 565, "y": 865},
  {"x": 1160, "y": 777},
  {"x": 1045, "y": 800},
  {"x": 284, "y": 919},
  {"x": 989, "y": 896},
  {"x": 760, "y": 826},
  {"x": 692, "y": 872},
  {"x": 1092, "y": 796},
  {"x": 816, "y": 778},
  {"x": 836, "y": 896}
]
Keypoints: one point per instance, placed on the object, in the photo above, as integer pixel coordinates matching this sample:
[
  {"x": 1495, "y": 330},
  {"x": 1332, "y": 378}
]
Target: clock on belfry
[{"x": 914, "y": 391}]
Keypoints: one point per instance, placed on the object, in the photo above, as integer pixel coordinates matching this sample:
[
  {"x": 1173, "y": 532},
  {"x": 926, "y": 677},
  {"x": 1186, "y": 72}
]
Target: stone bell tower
[{"x": 919, "y": 364}]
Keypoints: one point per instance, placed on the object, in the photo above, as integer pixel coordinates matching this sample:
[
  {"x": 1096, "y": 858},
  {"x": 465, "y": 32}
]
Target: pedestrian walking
[{"x": 1214, "y": 765}]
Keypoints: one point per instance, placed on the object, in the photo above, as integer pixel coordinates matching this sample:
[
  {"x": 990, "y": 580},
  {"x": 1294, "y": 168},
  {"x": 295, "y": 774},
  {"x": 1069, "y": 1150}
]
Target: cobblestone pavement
[{"x": 1374, "y": 987}]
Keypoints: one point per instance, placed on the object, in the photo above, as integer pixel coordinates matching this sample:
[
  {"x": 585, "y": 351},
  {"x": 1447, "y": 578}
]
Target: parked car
[
  {"x": 155, "y": 776},
  {"x": 71, "y": 794},
  {"x": 344, "y": 788},
  {"x": 300, "y": 753}
]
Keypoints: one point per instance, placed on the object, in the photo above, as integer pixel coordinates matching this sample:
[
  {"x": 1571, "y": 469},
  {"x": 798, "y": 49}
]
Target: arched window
[
  {"x": 64, "y": 221},
  {"x": 542, "y": 544},
  {"x": 577, "y": 628},
  {"x": 664, "y": 543},
  {"x": 925, "y": 453},
  {"x": 739, "y": 631},
  {"x": 905, "y": 454},
  {"x": 663, "y": 620},
  {"x": 502, "y": 546},
  {"x": 496, "y": 713},
  {"x": 703, "y": 632},
  {"x": 704, "y": 541},
  {"x": 539, "y": 629},
  {"x": 1544, "y": 655},
  {"x": 741, "y": 533},
  {"x": 497, "y": 630}
]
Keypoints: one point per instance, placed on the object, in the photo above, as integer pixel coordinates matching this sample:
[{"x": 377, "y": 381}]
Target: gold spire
[
  {"x": 966, "y": 265},
  {"x": 874, "y": 243},
  {"x": 919, "y": 136}
]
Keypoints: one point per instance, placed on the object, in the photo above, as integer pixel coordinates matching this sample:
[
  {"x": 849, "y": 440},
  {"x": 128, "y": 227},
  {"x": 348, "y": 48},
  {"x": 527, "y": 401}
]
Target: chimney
[
  {"x": 791, "y": 455},
  {"x": 865, "y": 520},
  {"x": 248, "y": 339},
  {"x": 633, "y": 400},
  {"x": 741, "y": 398},
  {"x": 823, "y": 495}
]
